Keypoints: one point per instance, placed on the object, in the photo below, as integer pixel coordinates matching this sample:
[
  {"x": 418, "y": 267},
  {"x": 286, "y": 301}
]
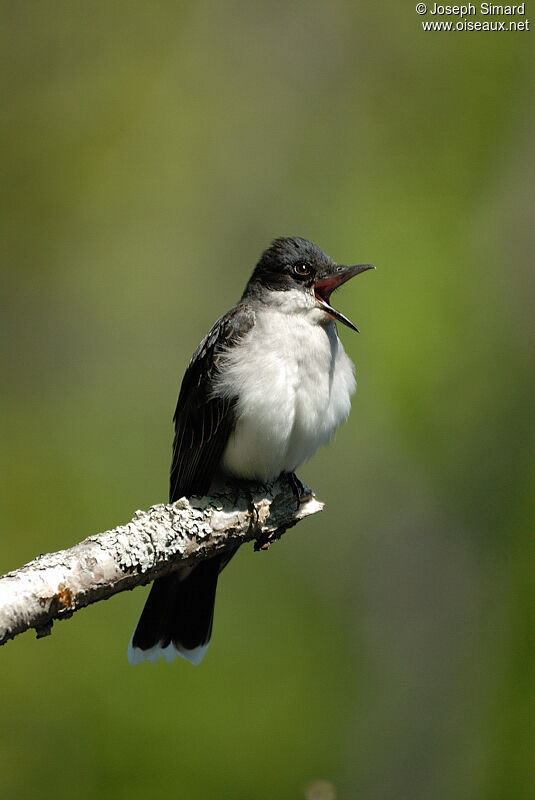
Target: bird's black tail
[{"x": 177, "y": 618}]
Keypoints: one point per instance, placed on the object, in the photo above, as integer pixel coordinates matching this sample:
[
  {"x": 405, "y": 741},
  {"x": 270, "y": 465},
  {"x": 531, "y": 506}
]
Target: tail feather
[
  {"x": 136, "y": 655},
  {"x": 177, "y": 617}
]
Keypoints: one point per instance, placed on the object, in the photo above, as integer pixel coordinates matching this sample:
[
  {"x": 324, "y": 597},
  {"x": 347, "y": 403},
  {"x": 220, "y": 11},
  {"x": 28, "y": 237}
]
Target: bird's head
[{"x": 301, "y": 268}]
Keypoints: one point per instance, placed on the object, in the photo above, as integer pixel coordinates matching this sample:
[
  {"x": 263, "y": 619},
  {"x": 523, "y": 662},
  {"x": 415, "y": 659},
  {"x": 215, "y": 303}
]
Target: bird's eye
[{"x": 301, "y": 269}]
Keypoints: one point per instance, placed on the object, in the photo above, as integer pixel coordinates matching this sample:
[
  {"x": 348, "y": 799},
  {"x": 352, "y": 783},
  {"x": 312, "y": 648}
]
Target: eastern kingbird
[{"x": 267, "y": 386}]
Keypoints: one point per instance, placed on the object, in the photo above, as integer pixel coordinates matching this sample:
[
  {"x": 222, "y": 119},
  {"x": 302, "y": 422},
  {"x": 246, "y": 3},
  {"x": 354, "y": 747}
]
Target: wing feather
[{"x": 204, "y": 421}]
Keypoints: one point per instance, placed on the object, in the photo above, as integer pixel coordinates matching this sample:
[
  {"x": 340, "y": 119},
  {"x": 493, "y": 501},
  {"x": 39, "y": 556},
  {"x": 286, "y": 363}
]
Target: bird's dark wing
[{"x": 203, "y": 422}]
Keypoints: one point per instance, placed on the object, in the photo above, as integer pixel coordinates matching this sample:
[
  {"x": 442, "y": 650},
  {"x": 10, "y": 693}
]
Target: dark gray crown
[{"x": 275, "y": 270}]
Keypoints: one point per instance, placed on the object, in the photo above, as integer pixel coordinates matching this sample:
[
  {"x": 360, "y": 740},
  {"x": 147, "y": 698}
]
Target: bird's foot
[
  {"x": 300, "y": 491},
  {"x": 249, "y": 488}
]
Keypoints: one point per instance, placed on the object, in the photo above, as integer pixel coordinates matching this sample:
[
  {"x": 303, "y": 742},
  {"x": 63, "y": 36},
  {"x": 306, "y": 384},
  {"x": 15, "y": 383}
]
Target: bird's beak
[{"x": 324, "y": 287}]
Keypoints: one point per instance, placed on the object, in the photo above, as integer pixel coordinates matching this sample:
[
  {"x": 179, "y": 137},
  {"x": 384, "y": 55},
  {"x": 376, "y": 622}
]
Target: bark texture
[{"x": 155, "y": 542}]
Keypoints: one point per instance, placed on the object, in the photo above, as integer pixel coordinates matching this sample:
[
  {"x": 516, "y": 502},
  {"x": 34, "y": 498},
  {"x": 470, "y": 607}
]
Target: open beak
[{"x": 324, "y": 288}]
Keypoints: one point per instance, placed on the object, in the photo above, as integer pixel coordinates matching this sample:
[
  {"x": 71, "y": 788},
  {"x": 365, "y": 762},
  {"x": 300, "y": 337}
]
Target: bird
[{"x": 267, "y": 386}]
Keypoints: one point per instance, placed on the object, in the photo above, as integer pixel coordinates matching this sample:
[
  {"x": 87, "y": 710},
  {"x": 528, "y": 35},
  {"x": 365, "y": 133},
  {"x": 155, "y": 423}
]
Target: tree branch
[{"x": 155, "y": 542}]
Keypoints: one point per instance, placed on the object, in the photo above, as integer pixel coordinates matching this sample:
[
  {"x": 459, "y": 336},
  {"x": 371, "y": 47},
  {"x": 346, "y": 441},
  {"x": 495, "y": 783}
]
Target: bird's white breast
[{"x": 293, "y": 382}]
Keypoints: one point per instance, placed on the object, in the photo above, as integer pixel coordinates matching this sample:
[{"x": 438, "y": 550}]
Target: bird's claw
[{"x": 300, "y": 491}]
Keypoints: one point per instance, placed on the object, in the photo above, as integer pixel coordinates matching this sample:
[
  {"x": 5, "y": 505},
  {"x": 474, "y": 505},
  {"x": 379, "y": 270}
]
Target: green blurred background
[{"x": 151, "y": 151}]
